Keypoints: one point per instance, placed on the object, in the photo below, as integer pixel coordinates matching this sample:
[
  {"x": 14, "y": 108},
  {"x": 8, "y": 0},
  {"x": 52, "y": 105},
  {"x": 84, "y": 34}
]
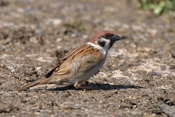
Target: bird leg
[{"x": 78, "y": 86}]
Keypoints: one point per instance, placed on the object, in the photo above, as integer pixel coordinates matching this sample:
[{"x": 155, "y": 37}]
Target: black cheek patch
[{"x": 101, "y": 43}]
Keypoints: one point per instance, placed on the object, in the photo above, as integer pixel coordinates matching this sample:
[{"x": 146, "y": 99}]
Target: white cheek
[{"x": 107, "y": 43}]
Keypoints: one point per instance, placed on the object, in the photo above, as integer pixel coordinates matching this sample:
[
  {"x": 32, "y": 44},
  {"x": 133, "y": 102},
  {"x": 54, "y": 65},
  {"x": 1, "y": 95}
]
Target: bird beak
[{"x": 116, "y": 38}]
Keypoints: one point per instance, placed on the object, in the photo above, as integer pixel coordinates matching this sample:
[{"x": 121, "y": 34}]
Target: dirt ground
[{"x": 138, "y": 78}]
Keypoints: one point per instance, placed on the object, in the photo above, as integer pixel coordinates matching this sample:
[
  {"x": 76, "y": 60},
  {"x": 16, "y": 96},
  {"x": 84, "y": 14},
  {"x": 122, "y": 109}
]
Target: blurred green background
[{"x": 157, "y": 6}]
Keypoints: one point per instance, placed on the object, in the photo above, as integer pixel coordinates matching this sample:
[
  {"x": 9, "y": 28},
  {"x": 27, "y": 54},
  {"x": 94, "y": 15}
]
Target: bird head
[{"x": 105, "y": 39}]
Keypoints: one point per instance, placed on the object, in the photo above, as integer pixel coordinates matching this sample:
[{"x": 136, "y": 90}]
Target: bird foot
[{"x": 79, "y": 86}]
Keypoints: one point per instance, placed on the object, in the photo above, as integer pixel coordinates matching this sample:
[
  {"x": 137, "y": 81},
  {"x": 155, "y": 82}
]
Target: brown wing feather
[
  {"x": 80, "y": 51},
  {"x": 56, "y": 67}
]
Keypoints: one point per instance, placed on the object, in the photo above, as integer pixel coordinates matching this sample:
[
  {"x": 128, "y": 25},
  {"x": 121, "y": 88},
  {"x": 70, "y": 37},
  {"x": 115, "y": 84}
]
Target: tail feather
[{"x": 39, "y": 81}]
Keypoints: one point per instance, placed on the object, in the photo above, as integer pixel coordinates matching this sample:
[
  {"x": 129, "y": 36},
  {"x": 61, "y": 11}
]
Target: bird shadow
[{"x": 98, "y": 87}]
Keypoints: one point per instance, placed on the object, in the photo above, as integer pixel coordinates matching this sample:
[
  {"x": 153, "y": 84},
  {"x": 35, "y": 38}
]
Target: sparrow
[{"x": 81, "y": 64}]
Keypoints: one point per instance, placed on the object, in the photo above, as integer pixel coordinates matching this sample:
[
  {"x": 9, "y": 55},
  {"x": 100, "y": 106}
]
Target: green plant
[{"x": 158, "y": 6}]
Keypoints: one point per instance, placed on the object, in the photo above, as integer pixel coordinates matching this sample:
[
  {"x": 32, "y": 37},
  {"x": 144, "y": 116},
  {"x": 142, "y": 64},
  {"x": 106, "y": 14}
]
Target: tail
[{"x": 39, "y": 81}]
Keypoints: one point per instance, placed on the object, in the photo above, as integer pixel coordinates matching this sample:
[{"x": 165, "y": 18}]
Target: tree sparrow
[{"x": 81, "y": 64}]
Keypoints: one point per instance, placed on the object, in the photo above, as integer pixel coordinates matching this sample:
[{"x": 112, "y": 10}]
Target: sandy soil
[{"x": 138, "y": 78}]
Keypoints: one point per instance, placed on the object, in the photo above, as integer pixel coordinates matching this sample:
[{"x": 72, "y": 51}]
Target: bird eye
[{"x": 106, "y": 36}]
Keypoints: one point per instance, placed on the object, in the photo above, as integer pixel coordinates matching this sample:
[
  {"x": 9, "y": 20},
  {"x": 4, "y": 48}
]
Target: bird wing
[
  {"x": 57, "y": 66},
  {"x": 82, "y": 55}
]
